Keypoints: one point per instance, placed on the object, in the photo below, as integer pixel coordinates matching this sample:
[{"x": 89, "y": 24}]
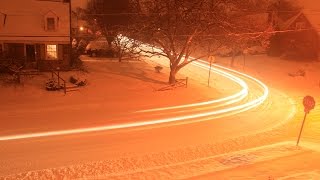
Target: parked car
[
  {"x": 98, "y": 47},
  {"x": 224, "y": 51},
  {"x": 256, "y": 50}
]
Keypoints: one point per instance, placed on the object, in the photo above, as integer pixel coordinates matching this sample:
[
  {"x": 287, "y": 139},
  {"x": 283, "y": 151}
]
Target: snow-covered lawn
[{"x": 113, "y": 89}]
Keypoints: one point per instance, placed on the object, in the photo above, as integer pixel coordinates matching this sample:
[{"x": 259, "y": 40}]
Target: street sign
[
  {"x": 212, "y": 59},
  {"x": 308, "y": 103}
]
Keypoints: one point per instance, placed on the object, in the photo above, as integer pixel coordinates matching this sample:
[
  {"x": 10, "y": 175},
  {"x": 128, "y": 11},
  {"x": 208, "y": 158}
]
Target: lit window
[
  {"x": 51, "y": 24},
  {"x": 52, "y": 52}
]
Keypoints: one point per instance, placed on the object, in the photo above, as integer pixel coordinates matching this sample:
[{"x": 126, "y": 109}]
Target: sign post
[
  {"x": 308, "y": 103},
  {"x": 211, "y": 59},
  {"x": 245, "y": 52}
]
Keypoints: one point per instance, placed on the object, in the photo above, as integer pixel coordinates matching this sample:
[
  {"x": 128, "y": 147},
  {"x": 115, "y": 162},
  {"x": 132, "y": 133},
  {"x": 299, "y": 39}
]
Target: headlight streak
[
  {"x": 228, "y": 100},
  {"x": 197, "y": 109},
  {"x": 182, "y": 119}
]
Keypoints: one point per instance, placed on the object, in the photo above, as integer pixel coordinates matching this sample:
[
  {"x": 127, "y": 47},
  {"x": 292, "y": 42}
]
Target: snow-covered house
[
  {"x": 301, "y": 38},
  {"x": 36, "y": 32},
  {"x": 311, "y": 10}
]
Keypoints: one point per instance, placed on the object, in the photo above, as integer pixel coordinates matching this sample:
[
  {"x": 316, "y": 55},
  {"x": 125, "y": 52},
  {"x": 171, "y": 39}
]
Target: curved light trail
[
  {"x": 231, "y": 105},
  {"x": 228, "y": 100}
]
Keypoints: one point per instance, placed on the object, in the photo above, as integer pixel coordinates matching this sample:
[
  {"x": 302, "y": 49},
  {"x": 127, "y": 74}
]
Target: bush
[
  {"x": 52, "y": 85},
  {"x": 158, "y": 69},
  {"x": 73, "y": 80},
  {"x": 8, "y": 65},
  {"x": 77, "y": 81},
  {"x": 82, "y": 83},
  {"x": 300, "y": 72}
]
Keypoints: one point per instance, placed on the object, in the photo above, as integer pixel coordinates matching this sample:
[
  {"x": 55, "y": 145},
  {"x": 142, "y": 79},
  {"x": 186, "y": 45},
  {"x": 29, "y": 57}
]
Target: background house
[
  {"x": 300, "y": 39},
  {"x": 311, "y": 11},
  {"x": 36, "y": 32}
]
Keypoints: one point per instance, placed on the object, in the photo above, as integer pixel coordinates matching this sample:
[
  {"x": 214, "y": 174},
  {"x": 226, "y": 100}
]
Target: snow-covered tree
[
  {"x": 179, "y": 27},
  {"x": 113, "y": 19}
]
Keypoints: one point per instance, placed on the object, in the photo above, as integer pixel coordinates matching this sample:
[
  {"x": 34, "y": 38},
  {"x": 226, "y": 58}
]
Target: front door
[{"x": 31, "y": 53}]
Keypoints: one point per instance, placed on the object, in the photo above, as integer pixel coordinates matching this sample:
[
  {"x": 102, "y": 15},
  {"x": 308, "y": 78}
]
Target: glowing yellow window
[{"x": 52, "y": 52}]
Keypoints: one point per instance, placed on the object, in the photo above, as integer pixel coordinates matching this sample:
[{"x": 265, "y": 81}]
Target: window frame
[
  {"x": 301, "y": 25},
  {"x": 53, "y": 27},
  {"x": 56, "y": 55}
]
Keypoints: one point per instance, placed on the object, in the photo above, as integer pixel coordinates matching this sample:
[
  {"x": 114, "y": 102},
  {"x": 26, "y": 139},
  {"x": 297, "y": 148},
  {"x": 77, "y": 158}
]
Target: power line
[
  {"x": 305, "y": 11},
  {"x": 248, "y": 33},
  {"x": 255, "y": 12}
]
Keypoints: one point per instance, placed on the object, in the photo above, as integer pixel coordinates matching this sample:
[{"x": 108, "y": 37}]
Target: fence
[
  {"x": 57, "y": 74},
  {"x": 178, "y": 83}
]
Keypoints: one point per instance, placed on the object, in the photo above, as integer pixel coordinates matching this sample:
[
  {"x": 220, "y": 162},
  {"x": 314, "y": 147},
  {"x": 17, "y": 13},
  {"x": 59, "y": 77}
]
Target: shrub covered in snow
[
  {"x": 52, "y": 85},
  {"x": 77, "y": 81},
  {"x": 73, "y": 80},
  {"x": 300, "y": 72},
  {"x": 158, "y": 69}
]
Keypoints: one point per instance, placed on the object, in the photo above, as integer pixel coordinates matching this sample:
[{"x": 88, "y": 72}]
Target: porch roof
[{"x": 35, "y": 39}]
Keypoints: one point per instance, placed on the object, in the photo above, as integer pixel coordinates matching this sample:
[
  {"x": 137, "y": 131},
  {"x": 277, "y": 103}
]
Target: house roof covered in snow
[
  {"x": 25, "y": 20},
  {"x": 314, "y": 19},
  {"x": 286, "y": 25}
]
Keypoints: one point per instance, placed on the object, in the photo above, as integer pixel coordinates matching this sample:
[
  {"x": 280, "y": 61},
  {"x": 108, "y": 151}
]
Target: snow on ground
[
  {"x": 113, "y": 88},
  {"x": 249, "y": 157},
  {"x": 282, "y": 160}
]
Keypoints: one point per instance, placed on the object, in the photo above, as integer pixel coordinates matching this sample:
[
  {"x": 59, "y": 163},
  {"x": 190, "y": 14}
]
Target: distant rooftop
[{"x": 311, "y": 9}]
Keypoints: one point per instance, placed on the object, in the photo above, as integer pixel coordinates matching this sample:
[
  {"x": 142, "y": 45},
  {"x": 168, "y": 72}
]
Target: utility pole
[{"x": 70, "y": 29}]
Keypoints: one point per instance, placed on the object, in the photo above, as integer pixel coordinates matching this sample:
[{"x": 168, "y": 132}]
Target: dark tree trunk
[
  {"x": 172, "y": 77},
  {"x": 233, "y": 58},
  {"x": 119, "y": 55}
]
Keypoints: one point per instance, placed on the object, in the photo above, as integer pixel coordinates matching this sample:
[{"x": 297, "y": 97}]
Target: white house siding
[{"x": 23, "y": 23}]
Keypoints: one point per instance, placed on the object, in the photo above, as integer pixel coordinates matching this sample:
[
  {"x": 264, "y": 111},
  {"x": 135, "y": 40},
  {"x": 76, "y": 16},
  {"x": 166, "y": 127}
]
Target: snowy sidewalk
[
  {"x": 212, "y": 164},
  {"x": 212, "y": 167}
]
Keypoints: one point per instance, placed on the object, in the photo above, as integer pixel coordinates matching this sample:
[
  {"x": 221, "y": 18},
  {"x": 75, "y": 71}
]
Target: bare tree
[
  {"x": 109, "y": 15},
  {"x": 111, "y": 18},
  {"x": 249, "y": 30},
  {"x": 124, "y": 47},
  {"x": 179, "y": 28}
]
